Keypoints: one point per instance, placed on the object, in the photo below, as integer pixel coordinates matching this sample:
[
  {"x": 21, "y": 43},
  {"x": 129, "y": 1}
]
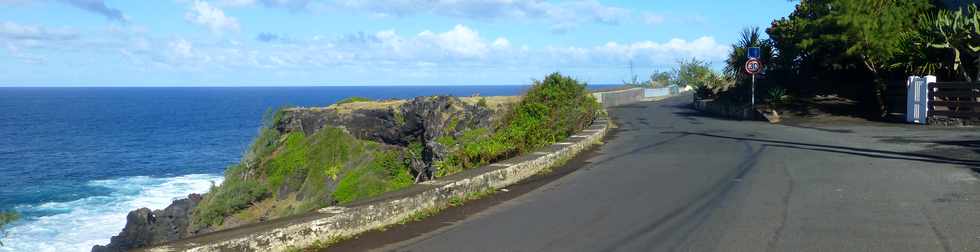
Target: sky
[{"x": 367, "y": 42}]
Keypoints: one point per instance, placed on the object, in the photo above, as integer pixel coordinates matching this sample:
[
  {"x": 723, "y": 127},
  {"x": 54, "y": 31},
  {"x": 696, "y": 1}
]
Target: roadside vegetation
[
  {"x": 854, "y": 50},
  {"x": 283, "y": 174},
  {"x": 551, "y": 110}
]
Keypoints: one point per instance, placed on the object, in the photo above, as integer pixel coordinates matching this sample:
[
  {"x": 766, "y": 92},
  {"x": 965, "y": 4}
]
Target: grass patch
[
  {"x": 304, "y": 167},
  {"x": 235, "y": 194},
  {"x": 353, "y": 100},
  {"x": 387, "y": 172}
]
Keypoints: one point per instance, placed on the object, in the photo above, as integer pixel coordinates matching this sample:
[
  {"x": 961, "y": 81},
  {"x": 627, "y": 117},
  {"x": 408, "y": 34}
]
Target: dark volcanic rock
[
  {"x": 423, "y": 119},
  {"x": 145, "y": 227}
]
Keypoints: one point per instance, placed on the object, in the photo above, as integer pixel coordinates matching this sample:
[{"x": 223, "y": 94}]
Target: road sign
[
  {"x": 755, "y": 52},
  {"x": 753, "y": 66}
]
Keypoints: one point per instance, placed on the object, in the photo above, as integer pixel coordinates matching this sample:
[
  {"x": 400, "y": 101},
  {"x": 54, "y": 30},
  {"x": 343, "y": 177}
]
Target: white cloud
[
  {"x": 461, "y": 41},
  {"x": 214, "y": 19},
  {"x": 459, "y": 49},
  {"x": 181, "y": 48},
  {"x": 561, "y": 15},
  {"x": 643, "y": 52},
  {"x": 235, "y": 3},
  {"x": 501, "y": 43},
  {"x": 14, "y": 31},
  {"x": 703, "y": 48}
]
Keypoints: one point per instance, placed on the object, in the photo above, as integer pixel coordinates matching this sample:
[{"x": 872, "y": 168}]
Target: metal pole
[{"x": 753, "y": 90}]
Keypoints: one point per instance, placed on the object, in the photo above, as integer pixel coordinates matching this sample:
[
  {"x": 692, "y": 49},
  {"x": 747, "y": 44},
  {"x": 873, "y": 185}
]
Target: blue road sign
[{"x": 755, "y": 52}]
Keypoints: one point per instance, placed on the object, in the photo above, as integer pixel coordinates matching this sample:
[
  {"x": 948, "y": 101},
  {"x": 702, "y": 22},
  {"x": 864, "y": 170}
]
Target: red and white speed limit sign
[{"x": 753, "y": 66}]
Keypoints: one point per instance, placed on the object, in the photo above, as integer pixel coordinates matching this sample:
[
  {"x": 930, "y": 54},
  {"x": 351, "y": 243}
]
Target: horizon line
[{"x": 280, "y": 86}]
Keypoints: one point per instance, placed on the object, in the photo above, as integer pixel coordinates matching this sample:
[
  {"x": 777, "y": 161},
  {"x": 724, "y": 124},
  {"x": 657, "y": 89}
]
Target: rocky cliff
[
  {"x": 401, "y": 122},
  {"x": 145, "y": 227},
  {"x": 395, "y": 123}
]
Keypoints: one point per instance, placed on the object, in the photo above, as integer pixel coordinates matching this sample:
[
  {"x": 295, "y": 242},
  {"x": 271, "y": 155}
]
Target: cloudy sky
[{"x": 352, "y": 42}]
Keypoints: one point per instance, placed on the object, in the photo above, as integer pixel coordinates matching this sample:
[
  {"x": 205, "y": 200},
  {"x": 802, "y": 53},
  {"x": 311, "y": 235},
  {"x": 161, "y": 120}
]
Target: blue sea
[{"x": 75, "y": 161}]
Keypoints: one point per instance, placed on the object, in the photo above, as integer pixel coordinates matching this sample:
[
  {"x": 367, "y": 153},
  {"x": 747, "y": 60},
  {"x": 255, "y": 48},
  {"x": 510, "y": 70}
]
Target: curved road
[{"x": 671, "y": 179}]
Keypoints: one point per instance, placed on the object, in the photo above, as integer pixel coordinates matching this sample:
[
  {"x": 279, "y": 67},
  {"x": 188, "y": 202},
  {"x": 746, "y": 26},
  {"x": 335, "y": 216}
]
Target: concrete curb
[{"x": 349, "y": 220}]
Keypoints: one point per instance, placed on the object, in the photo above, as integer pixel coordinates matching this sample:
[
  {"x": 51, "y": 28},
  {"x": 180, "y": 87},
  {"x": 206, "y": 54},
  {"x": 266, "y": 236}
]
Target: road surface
[{"x": 671, "y": 179}]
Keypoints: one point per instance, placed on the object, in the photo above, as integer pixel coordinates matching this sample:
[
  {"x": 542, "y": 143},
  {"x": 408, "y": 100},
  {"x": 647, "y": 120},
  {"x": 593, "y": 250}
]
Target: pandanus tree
[
  {"x": 946, "y": 43},
  {"x": 957, "y": 32}
]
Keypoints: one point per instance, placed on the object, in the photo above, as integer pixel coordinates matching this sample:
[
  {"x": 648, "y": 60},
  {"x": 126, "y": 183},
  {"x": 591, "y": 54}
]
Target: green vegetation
[
  {"x": 288, "y": 173},
  {"x": 387, "y": 173},
  {"x": 948, "y": 43},
  {"x": 657, "y": 79},
  {"x": 855, "y": 49},
  {"x": 482, "y": 102},
  {"x": 353, "y": 100},
  {"x": 294, "y": 170},
  {"x": 6, "y": 218},
  {"x": 699, "y": 75},
  {"x": 777, "y": 96},
  {"x": 553, "y": 109}
]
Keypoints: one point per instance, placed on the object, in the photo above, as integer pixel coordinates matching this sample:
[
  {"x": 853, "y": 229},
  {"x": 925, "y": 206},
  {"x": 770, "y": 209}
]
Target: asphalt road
[{"x": 671, "y": 179}]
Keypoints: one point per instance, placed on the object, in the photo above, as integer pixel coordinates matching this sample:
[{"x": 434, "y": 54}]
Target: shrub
[
  {"x": 353, "y": 100},
  {"x": 235, "y": 194},
  {"x": 302, "y": 163},
  {"x": 699, "y": 75},
  {"x": 553, "y": 109},
  {"x": 777, "y": 96}
]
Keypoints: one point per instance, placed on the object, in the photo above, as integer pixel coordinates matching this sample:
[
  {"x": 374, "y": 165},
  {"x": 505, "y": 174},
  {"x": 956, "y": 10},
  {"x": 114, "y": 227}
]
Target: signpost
[
  {"x": 755, "y": 53},
  {"x": 753, "y": 67}
]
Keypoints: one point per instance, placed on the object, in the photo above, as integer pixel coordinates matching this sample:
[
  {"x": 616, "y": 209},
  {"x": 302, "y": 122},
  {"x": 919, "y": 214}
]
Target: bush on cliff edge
[{"x": 552, "y": 109}]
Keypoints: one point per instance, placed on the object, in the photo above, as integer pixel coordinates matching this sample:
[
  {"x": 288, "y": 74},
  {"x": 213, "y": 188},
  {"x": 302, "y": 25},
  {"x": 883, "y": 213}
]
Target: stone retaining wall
[{"x": 619, "y": 97}]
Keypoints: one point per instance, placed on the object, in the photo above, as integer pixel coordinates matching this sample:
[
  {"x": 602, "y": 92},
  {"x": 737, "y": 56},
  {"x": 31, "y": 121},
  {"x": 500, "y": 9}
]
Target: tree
[
  {"x": 699, "y": 75},
  {"x": 956, "y": 34},
  {"x": 660, "y": 79},
  {"x": 751, "y": 37},
  {"x": 847, "y": 34}
]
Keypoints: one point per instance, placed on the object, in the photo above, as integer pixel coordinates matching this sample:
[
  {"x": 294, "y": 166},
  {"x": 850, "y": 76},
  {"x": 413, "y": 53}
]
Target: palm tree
[{"x": 751, "y": 37}]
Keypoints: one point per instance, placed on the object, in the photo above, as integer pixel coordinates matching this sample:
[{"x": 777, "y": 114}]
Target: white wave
[{"x": 93, "y": 221}]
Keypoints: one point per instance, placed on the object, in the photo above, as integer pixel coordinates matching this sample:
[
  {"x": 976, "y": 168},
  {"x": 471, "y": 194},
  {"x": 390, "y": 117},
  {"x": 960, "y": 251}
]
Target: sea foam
[{"x": 81, "y": 224}]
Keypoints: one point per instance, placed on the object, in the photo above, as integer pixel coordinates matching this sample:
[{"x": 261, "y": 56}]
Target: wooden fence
[{"x": 955, "y": 99}]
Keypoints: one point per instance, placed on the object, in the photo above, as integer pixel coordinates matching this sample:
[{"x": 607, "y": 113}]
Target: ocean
[{"x": 75, "y": 161}]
